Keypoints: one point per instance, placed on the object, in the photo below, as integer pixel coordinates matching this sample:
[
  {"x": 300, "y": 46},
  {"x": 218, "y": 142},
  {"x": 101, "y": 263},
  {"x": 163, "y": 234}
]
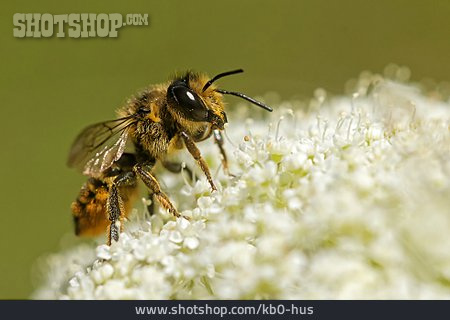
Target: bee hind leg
[{"x": 115, "y": 205}]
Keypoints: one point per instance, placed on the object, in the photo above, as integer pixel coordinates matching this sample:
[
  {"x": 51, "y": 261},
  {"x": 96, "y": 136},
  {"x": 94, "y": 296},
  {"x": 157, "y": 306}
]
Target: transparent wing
[{"x": 97, "y": 147}]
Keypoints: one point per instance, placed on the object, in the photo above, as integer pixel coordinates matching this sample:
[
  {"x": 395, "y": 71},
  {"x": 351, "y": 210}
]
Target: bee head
[
  {"x": 196, "y": 99},
  {"x": 189, "y": 102}
]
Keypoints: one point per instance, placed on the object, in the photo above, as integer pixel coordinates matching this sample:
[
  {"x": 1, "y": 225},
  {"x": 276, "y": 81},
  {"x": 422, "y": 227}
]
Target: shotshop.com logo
[{"x": 74, "y": 25}]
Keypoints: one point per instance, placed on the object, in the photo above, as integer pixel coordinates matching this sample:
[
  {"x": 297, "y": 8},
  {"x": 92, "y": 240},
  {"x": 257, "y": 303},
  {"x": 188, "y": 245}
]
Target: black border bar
[{"x": 214, "y": 309}]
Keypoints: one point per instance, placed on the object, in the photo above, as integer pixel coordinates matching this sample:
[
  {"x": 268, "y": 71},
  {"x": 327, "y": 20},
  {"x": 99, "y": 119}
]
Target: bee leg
[
  {"x": 218, "y": 139},
  {"x": 151, "y": 206},
  {"x": 114, "y": 204},
  {"x": 151, "y": 183},
  {"x": 176, "y": 167},
  {"x": 195, "y": 152}
]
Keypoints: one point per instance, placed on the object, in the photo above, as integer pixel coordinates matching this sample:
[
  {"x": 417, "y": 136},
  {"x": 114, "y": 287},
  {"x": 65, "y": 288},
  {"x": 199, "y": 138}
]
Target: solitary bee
[{"x": 161, "y": 119}]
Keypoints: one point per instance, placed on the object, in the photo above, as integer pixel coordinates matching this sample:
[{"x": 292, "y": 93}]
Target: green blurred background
[{"x": 51, "y": 88}]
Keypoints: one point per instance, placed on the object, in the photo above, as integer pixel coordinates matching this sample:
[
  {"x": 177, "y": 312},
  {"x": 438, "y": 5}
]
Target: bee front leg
[
  {"x": 114, "y": 204},
  {"x": 151, "y": 183},
  {"x": 218, "y": 139},
  {"x": 195, "y": 152}
]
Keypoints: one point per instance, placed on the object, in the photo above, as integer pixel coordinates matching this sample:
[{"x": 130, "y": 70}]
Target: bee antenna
[
  {"x": 220, "y": 75},
  {"x": 245, "y": 97}
]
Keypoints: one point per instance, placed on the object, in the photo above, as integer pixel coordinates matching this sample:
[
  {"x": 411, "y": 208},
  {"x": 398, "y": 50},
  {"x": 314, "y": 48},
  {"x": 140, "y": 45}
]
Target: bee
[{"x": 156, "y": 122}]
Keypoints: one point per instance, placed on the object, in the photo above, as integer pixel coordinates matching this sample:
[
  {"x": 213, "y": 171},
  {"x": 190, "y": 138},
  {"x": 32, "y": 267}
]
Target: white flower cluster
[{"x": 347, "y": 200}]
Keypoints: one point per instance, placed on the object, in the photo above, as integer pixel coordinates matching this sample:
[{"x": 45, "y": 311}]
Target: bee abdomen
[{"x": 89, "y": 209}]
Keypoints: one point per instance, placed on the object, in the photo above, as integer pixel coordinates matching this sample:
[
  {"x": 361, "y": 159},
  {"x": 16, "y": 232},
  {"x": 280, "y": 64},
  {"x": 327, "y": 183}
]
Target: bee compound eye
[{"x": 188, "y": 103}]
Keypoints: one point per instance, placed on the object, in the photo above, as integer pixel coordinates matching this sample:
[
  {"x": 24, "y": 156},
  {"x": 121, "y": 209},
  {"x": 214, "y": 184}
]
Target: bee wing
[{"x": 97, "y": 147}]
